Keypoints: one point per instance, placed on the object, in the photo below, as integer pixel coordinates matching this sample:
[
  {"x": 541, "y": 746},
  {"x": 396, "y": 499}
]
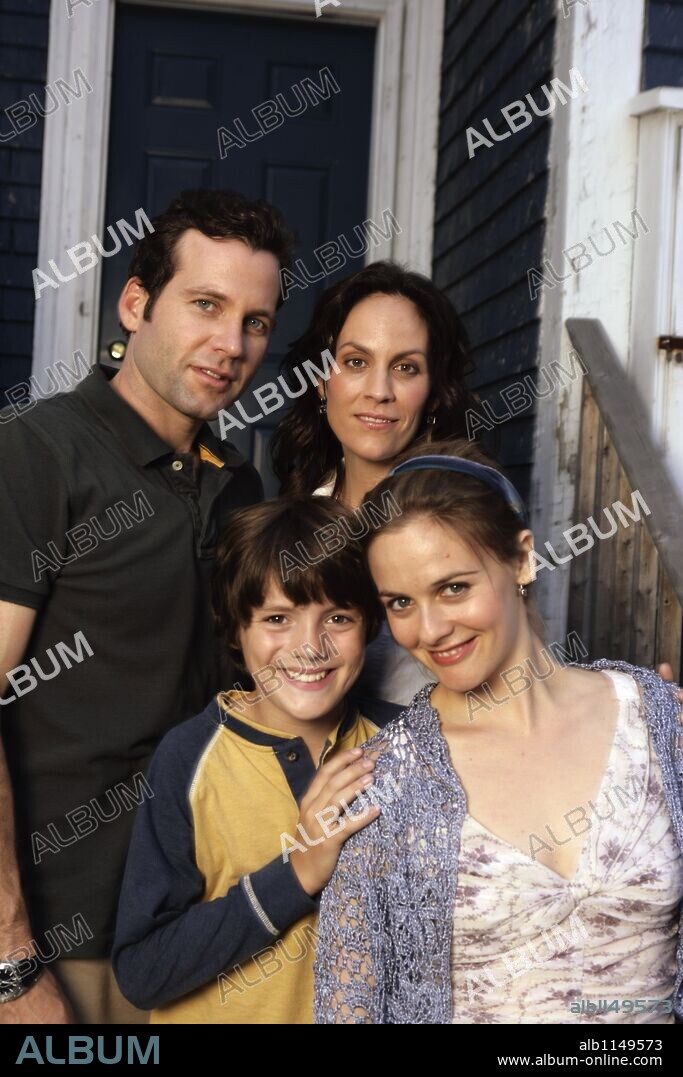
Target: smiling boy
[{"x": 207, "y": 891}]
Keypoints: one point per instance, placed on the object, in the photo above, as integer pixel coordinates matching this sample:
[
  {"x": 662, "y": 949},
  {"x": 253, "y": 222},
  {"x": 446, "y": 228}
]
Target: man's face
[{"x": 210, "y": 326}]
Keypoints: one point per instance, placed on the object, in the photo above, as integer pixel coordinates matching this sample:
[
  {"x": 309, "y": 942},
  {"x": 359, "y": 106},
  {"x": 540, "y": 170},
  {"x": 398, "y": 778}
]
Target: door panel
[{"x": 179, "y": 76}]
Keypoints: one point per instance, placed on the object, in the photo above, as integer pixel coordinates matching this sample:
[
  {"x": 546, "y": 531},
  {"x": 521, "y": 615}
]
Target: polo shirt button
[
  {"x": 292, "y": 756},
  {"x": 177, "y": 465}
]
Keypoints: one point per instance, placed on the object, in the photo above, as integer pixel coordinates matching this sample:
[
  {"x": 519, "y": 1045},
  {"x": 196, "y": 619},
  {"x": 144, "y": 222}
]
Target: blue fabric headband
[{"x": 489, "y": 475}]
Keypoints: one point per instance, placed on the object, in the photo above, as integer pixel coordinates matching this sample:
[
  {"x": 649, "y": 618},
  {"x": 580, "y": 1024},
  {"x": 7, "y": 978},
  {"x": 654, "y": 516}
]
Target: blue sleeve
[
  {"x": 379, "y": 711},
  {"x": 168, "y": 940}
]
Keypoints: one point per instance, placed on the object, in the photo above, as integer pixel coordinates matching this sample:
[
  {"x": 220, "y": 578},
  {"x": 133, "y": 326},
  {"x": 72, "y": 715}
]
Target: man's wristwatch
[{"x": 15, "y": 982}]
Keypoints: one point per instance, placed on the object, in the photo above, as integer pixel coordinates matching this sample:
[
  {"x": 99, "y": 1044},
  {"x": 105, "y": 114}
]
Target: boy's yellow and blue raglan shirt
[{"x": 213, "y": 924}]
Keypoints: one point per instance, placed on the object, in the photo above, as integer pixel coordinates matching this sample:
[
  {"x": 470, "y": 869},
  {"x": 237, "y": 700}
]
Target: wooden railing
[{"x": 626, "y": 593}]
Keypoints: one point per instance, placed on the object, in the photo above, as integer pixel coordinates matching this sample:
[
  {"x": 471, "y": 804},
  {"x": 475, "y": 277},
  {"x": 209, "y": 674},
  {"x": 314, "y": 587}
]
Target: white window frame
[{"x": 403, "y": 151}]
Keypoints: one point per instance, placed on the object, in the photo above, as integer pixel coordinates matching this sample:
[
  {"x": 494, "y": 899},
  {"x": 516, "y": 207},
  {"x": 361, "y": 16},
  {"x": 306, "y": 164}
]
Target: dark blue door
[{"x": 179, "y": 76}]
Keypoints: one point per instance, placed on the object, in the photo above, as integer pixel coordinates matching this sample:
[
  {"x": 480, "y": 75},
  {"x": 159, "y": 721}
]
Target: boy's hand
[{"x": 321, "y": 818}]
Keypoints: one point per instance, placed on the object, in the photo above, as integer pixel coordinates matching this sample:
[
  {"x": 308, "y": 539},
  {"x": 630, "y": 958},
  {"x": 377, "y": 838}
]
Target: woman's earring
[
  {"x": 522, "y": 590},
  {"x": 431, "y": 419},
  {"x": 322, "y": 410}
]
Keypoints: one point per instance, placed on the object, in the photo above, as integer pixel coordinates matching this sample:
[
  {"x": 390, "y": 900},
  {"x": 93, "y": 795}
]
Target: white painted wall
[
  {"x": 657, "y": 309},
  {"x": 593, "y": 182}
]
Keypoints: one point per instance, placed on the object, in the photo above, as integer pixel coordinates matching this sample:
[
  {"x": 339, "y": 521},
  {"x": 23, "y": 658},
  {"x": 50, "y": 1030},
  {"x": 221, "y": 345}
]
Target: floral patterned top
[
  {"x": 384, "y": 953},
  {"x": 530, "y": 946}
]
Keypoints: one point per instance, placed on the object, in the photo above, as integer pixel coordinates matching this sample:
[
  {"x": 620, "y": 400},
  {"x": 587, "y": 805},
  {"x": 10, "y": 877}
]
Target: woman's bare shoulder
[
  {"x": 589, "y": 685},
  {"x": 581, "y": 684}
]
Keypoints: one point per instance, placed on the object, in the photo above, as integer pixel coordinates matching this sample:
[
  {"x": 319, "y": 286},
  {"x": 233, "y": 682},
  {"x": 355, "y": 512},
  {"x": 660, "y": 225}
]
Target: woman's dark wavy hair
[{"x": 303, "y": 448}]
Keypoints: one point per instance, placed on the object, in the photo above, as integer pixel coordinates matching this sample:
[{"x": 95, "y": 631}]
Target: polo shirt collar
[
  {"x": 137, "y": 437},
  {"x": 231, "y": 714},
  {"x": 223, "y": 450},
  {"x": 349, "y": 717}
]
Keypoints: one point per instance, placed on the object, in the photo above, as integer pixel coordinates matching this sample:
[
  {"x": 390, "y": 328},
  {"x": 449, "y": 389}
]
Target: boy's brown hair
[{"x": 250, "y": 552}]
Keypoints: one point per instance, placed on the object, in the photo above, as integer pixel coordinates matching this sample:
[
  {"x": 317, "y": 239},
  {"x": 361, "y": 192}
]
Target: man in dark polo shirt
[{"x": 111, "y": 498}]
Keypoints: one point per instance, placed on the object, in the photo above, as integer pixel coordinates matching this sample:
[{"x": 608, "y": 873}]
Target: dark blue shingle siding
[
  {"x": 24, "y": 27},
  {"x": 663, "y": 47},
  {"x": 490, "y": 210}
]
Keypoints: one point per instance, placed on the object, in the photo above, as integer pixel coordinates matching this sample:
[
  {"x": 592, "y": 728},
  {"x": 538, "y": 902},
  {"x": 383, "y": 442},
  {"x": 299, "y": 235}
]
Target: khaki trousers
[{"x": 93, "y": 993}]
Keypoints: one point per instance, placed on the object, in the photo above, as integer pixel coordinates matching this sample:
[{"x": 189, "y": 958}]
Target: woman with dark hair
[
  {"x": 402, "y": 351},
  {"x": 401, "y": 354}
]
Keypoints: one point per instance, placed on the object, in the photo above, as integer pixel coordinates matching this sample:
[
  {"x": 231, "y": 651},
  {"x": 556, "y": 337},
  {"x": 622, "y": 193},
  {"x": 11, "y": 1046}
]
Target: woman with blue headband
[{"x": 527, "y": 862}]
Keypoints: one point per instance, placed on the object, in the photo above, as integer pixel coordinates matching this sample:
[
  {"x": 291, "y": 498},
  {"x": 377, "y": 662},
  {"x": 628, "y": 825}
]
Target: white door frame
[
  {"x": 593, "y": 182},
  {"x": 403, "y": 151}
]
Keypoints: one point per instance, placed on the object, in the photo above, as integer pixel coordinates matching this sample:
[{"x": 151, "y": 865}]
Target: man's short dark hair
[{"x": 219, "y": 214}]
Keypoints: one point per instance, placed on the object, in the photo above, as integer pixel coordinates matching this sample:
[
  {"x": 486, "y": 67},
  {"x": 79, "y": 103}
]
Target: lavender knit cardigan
[{"x": 384, "y": 941}]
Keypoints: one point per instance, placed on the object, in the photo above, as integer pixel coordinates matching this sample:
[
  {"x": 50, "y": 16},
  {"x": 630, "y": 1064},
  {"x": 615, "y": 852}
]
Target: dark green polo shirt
[{"x": 110, "y": 535}]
